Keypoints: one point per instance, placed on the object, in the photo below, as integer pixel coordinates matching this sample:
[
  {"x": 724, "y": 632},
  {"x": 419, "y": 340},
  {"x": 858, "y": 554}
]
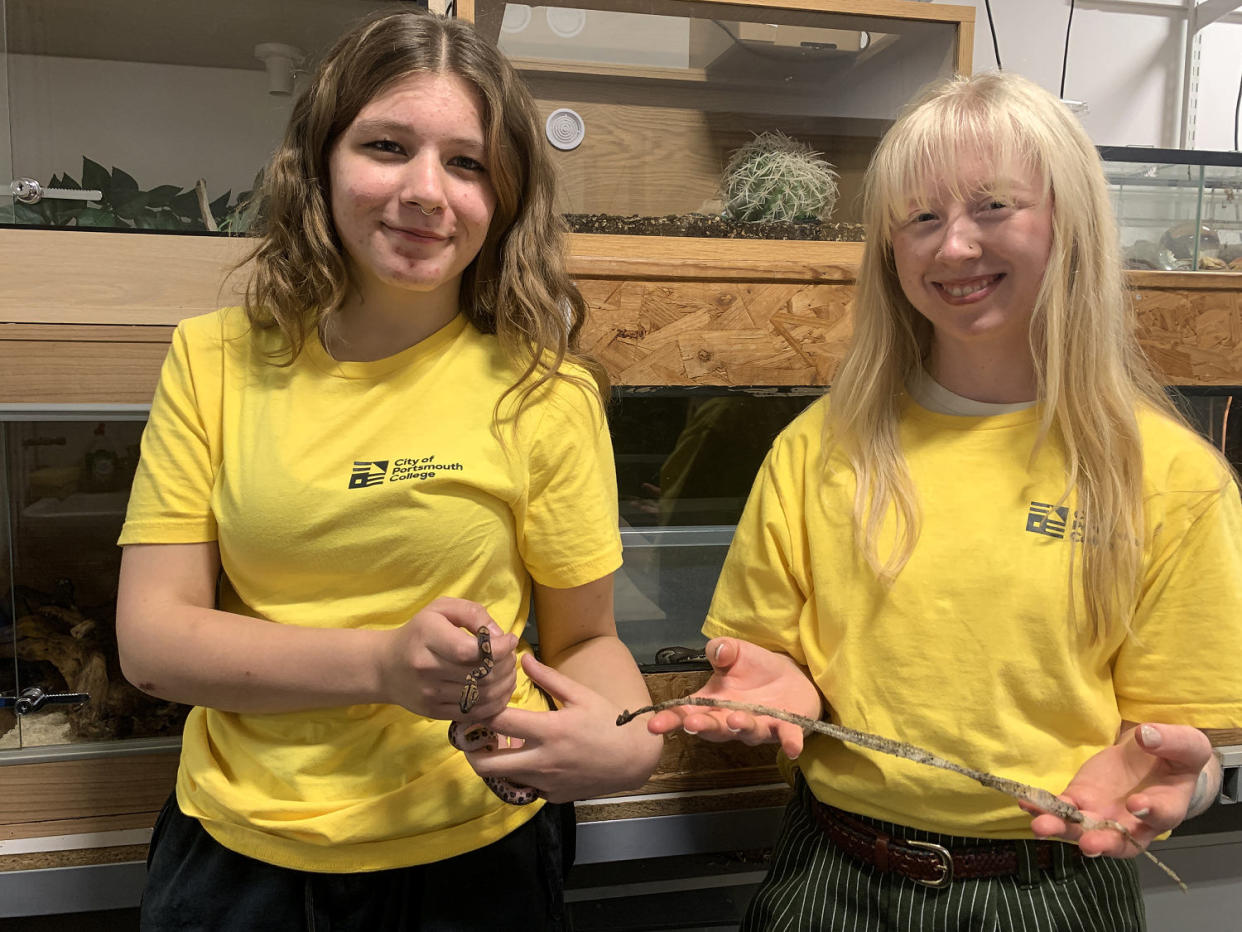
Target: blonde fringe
[{"x": 1092, "y": 376}]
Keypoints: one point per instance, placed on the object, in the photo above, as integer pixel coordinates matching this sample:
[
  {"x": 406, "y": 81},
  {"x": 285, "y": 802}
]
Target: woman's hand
[
  {"x": 1147, "y": 781},
  {"x": 575, "y": 751},
  {"x": 745, "y": 672},
  {"x": 425, "y": 662}
]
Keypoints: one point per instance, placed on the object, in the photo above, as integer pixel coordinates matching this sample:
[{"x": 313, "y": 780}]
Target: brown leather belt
[{"x": 927, "y": 863}]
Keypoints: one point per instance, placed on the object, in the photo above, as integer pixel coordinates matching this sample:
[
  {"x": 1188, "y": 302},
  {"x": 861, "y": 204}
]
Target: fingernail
[
  {"x": 716, "y": 652},
  {"x": 1087, "y": 854},
  {"x": 732, "y": 729},
  {"x": 1150, "y": 735},
  {"x": 1141, "y": 813},
  {"x": 688, "y": 731}
]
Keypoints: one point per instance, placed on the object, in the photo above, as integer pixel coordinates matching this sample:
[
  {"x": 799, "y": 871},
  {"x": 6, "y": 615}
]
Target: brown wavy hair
[{"x": 517, "y": 287}]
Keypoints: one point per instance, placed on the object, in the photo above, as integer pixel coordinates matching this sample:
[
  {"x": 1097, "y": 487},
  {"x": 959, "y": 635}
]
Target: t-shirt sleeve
[
  {"x": 1182, "y": 665},
  {"x": 170, "y": 501},
  {"x": 762, "y": 593},
  {"x": 567, "y": 528}
]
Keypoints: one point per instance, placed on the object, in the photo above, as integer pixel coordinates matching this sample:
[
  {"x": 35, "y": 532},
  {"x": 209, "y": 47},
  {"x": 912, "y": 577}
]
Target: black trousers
[{"x": 195, "y": 884}]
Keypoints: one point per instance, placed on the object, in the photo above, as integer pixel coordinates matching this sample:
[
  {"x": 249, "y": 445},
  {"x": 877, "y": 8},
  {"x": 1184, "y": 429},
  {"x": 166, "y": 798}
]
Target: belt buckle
[{"x": 946, "y": 863}]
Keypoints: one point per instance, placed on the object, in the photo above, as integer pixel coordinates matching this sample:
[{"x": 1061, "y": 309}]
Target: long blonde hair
[
  {"x": 517, "y": 287},
  {"x": 1091, "y": 374}
]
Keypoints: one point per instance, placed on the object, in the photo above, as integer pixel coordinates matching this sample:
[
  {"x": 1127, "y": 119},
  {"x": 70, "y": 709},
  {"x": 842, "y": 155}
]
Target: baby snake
[{"x": 478, "y": 737}]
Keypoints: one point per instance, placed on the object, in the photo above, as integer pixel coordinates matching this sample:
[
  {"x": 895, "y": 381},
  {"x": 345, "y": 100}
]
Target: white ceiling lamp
[{"x": 282, "y": 63}]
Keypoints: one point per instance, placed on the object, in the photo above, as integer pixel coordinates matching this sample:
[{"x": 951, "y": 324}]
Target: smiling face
[
  {"x": 411, "y": 198},
  {"x": 970, "y": 257}
]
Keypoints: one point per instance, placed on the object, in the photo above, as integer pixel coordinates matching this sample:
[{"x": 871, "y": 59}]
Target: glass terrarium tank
[
  {"x": 158, "y": 116},
  {"x": 648, "y": 105},
  {"x": 685, "y": 462},
  {"x": 163, "y": 112},
  {"x": 1179, "y": 210},
  {"x": 64, "y": 488},
  {"x": 686, "y": 459}
]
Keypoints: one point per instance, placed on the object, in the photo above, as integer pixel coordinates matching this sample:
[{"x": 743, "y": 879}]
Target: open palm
[{"x": 745, "y": 672}]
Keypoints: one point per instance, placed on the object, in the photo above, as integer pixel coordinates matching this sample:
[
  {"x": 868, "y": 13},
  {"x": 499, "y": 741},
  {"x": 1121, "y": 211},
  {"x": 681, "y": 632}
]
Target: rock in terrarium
[{"x": 774, "y": 177}]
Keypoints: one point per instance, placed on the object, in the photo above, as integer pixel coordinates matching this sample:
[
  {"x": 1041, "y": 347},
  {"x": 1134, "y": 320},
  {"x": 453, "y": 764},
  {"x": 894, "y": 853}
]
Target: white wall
[
  {"x": 1125, "y": 61},
  {"x": 1220, "y": 72}
]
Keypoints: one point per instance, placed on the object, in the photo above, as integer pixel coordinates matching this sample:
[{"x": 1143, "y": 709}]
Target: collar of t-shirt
[{"x": 933, "y": 396}]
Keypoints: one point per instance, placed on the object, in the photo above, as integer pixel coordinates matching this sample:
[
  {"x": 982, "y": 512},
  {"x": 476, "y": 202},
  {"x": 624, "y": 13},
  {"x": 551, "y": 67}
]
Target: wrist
[{"x": 374, "y": 676}]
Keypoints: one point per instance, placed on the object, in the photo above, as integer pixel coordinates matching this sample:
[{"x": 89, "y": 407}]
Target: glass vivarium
[
  {"x": 711, "y": 119},
  {"x": 66, "y": 484},
  {"x": 685, "y": 461},
  {"x": 164, "y": 113},
  {"x": 1179, "y": 210}
]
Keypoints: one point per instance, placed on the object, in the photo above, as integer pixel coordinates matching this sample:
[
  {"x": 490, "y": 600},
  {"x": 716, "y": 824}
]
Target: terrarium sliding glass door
[
  {"x": 151, "y": 115},
  {"x": 716, "y": 119}
]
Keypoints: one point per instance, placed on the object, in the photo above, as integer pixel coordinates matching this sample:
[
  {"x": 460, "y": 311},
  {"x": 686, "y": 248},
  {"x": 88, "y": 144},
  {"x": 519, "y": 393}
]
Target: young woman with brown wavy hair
[
  {"x": 993, "y": 539},
  {"x": 352, "y": 492}
]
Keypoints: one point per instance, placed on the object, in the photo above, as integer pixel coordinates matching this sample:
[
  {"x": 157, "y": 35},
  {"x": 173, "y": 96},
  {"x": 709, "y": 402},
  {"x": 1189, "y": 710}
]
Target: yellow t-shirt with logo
[
  {"x": 971, "y": 653},
  {"x": 351, "y": 495}
]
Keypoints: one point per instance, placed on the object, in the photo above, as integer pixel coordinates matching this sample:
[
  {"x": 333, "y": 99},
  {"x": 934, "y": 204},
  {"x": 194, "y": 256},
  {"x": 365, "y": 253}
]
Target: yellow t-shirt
[
  {"x": 971, "y": 653},
  {"x": 351, "y": 495}
]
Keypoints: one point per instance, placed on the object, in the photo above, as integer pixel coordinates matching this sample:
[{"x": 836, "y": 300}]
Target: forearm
[
  {"x": 206, "y": 657},
  {"x": 604, "y": 663}
]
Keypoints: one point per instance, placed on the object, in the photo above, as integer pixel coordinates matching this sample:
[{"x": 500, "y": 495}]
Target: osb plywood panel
[
  {"x": 747, "y": 333},
  {"x": 1193, "y": 337},
  {"x": 652, "y": 333},
  {"x": 78, "y": 857}
]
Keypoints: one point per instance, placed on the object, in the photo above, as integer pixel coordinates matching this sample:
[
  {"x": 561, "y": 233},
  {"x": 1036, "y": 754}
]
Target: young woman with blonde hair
[
  {"x": 352, "y": 491},
  {"x": 994, "y": 539}
]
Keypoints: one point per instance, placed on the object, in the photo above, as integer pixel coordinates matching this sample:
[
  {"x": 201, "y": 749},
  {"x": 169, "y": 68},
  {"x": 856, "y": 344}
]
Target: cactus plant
[{"x": 774, "y": 177}]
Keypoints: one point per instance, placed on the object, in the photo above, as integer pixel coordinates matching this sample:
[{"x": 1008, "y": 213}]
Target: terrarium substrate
[{"x": 712, "y": 227}]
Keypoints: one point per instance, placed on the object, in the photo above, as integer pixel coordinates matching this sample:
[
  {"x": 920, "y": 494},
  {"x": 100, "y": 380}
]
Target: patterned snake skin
[{"x": 476, "y": 737}]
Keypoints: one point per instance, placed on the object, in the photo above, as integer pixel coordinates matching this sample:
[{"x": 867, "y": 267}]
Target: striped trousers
[{"x": 813, "y": 886}]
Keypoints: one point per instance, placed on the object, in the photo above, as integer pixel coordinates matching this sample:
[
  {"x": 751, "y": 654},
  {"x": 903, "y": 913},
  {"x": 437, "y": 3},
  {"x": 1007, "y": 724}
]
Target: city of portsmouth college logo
[
  {"x": 368, "y": 472},
  {"x": 1053, "y": 521}
]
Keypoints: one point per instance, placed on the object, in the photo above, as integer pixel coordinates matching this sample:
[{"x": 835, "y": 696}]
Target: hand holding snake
[
  {"x": 479, "y": 737},
  {"x": 424, "y": 663}
]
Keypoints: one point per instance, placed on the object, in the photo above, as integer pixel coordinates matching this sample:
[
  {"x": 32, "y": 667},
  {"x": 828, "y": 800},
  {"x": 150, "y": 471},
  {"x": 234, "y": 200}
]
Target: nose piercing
[
  {"x": 969, "y": 247},
  {"x": 424, "y": 211}
]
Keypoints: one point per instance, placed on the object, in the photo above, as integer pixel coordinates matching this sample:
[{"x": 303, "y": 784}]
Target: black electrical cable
[
  {"x": 1065, "y": 58},
  {"x": 987, "y": 5},
  {"x": 1237, "y": 108}
]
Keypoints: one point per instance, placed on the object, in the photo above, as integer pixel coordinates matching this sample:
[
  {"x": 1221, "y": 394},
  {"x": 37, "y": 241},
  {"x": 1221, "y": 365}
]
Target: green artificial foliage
[
  {"x": 123, "y": 204},
  {"x": 774, "y": 177}
]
